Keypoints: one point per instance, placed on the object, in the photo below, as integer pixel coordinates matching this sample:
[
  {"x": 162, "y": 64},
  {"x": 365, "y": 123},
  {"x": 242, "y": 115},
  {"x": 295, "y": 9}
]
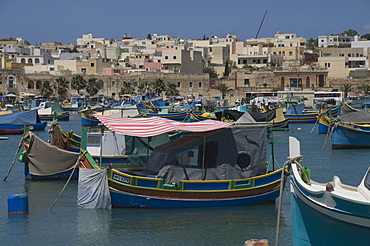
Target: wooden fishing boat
[
  {"x": 13, "y": 123},
  {"x": 279, "y": 122},
  {"x": 48, "y": 111},
  {"x": 296, "y": 114},
  {"x": 231, "y": 172},
  {"x": 351, "y": 131},
  {"x": 329, "y": 213},
  {"x": 348, "y": 108}
]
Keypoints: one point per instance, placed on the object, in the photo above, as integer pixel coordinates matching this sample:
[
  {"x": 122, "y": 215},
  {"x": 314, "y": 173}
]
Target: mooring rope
[
  {"x": 285, "y": 173},
  {"x": 69, "y": 179}
]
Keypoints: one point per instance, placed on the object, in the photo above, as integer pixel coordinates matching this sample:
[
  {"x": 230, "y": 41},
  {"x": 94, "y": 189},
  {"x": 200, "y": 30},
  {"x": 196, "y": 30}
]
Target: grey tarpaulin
[
  {"x": 93, "y": 190},
  {"x": 45, "y": 159}
]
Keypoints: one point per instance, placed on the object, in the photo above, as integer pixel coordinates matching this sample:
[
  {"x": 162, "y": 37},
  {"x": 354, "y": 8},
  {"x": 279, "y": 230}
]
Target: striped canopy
[{"x": 152, "y": 126}]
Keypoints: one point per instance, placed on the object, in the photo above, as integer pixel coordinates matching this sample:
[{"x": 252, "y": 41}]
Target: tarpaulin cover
[
  {"x": 295, "y": 109},
  {"x": 29, "y": 117},
  {"x": 152, "y": 126},
  {"x": 231, "y": 153},
  {"x": 93, "y": 189},
  {"x": 45, "y": 159},
  {"x": 356, "y": 117},
  {"x": 264, "y": 117}
]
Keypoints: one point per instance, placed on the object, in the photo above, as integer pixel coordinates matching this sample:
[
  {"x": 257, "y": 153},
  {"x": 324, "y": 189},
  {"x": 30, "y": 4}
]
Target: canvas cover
[
  {"x": 264, "y": 117},
  {"x": 246, "y": 118},
  {"x": 231, "y": 153},
  {"x": 93, "y": 189},
  {"x": 29, "y": 117},
  {"x": 227, "y": 114},
  {"x": 295, "y": 109},
  {"x": 279, "y": 117},
  {"x": 356, "y": 117},
  {"x": 45, "y": 159}
]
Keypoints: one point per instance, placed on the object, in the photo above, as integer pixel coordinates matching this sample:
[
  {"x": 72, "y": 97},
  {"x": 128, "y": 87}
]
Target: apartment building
[{"x": 334, "y": 40}]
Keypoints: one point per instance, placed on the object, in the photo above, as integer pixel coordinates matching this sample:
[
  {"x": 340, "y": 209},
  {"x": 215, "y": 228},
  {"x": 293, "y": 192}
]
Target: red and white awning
[{"x": 151, "y": 126}]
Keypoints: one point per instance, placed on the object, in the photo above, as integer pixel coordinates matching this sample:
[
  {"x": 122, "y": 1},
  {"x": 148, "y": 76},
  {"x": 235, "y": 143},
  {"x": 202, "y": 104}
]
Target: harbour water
[{"x": 64, "y": 224}]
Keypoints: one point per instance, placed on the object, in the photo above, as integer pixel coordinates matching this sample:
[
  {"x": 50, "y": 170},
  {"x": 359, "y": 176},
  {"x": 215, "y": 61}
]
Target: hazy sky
[{"x": 64, "y": 21}]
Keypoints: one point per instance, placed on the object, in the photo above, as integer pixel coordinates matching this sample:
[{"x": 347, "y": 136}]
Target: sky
[{"x": 39, "y": 21}]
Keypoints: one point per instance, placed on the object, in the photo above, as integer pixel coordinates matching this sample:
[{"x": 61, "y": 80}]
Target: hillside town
[{"x": 198, "y": 67}]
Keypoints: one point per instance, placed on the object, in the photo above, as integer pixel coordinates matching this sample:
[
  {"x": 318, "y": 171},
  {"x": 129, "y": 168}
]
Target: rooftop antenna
[{"x": 261, "y": 24}]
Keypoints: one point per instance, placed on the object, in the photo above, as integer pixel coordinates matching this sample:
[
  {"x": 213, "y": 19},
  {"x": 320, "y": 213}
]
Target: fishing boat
[
  {"x": 49, "y": 110},
  {"x": 297, "y": 114},
  {"x": 44, "y": 161},
  {"x": 329, "y": 213},
  {"x": 279, "y": 122},
  {"x": 13, "y": 123},
  {"x": 348, "y": 108},
  {"x": 351, "y": 131},
  {"x": 88, "y": 118},
  {"x": 216, "y": 164}
]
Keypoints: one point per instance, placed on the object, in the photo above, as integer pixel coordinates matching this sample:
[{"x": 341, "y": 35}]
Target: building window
[
  {"x": 282, "y": 82},
  {"x": 113, "y": 83},
  {"x": 29, "y": 61},
  {"x": 52, "y": 69},
  {"x": 11, "y": 81},
  {"x": 166, "y": 57},
  {"x": 290, "y": 53},
  {"x": 178, "y": 84},
  {"x": 296, "y": 82},
  {"x": 307, "y": 82},
  {"x": 23, "y": 60},
  {"x": 200, "y": 84},
  {"x": 92, "y": 64},
  {"x": 83, "y": 70},
  {"x": 174, "y": 57},
  {"x": 190, "y": 84},
  {"x": 246, "y": 82}
]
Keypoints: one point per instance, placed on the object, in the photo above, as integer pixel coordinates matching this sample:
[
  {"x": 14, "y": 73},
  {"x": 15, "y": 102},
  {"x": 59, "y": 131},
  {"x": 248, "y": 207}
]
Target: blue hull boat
[
  {"x": 348, "y": 137},
  {"x": 329, "y": 213}
]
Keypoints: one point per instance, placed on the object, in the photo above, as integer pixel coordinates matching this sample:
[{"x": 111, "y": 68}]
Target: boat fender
[{"x": 22, "y": 156}]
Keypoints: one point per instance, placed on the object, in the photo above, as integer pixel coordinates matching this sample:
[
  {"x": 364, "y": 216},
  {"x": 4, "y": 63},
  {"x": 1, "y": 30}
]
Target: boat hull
[
  {"x": 141, "y": 192},
  {"x": 344, "y": 137},
  {"x": 314, "y": 223},
  {"x": 50, "y": 117},
  {"x": 19, "y": 129}
]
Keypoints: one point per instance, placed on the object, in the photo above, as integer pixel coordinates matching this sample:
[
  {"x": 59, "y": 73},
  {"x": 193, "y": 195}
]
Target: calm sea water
[{"x": 67, "y": 225}]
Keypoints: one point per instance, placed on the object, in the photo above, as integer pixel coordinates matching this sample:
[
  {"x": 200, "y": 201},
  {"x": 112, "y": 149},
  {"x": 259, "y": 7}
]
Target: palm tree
[
  {"x": 365, "y": 88},
  {"x": 223, "y": 88},
  {"x": 46, "y": 89},
  {"x": 61, "y": 86},
  {"x": 346, "y": 88},
  {"x": 143, "y": 86},
  {"x": 171, "y": 89},
  {"x": 159, "y": 86},
  {"x": 78, "y": 82},
  {"x": 127, "y": 88},
  {"x": 92, "y": 86}
]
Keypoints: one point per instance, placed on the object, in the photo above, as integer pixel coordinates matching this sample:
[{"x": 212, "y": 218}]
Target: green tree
[
  {"x": 92, "y": 86},
  {"x": 171, "y": 89},
  {"x": 350, "y": 32},
  {"x": 311, "y": 44},
  {"x": 127, "y": 88},
  {"x": 143, "y": 86},
  {"x": 78, "y": 83},
  {"x": 149, "y": 37},
  {"x": 211, "y": 71},
  {"x": 365, "y": 88},
  {"x": 227, "y": 72},
  {"x": 159, "y": 86},
  {"x": 346, "y": 88},
  {"x": 61, "y": 86},
  {"x": 366, "y": 36},
  {"x": 223, "y": 88},
  {"x": 46, "y": 89}
]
